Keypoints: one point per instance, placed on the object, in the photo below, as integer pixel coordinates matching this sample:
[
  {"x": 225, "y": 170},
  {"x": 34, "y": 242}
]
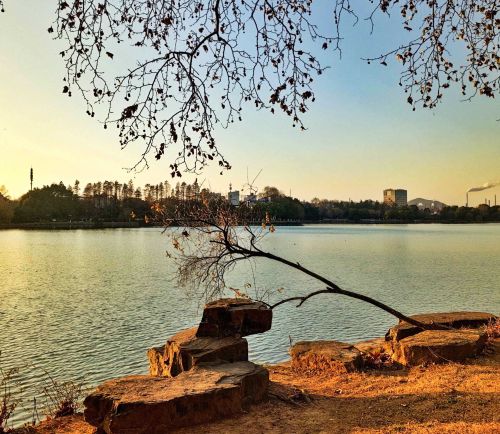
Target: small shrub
[
  {"x": 62, "y": 398},
  {"x": 378, "y": 361},
  {"x": 8, "y": 402},
  {"x": 493, "y": 329}
]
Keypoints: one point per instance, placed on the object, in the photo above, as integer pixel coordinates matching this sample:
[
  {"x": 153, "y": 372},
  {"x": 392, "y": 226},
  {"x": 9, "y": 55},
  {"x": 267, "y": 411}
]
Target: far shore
[{"x": 71, "y": 225}]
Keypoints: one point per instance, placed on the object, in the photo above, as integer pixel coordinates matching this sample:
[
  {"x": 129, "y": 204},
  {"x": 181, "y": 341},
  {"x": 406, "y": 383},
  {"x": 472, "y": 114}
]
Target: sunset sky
[{"x": 362, "y": 136}]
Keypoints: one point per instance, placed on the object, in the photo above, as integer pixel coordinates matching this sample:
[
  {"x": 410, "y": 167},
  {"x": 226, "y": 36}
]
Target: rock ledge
[
  {"x": 325, "y": 356},
  {"x": 155, "y": 405}
]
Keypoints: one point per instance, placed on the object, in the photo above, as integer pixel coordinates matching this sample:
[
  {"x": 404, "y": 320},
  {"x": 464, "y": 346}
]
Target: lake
[{"x": 87, "y": 304}]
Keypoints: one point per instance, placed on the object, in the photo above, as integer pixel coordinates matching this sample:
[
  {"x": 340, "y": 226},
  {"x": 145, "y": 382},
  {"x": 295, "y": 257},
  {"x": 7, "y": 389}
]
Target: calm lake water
[{"x": 87, "y": 305}]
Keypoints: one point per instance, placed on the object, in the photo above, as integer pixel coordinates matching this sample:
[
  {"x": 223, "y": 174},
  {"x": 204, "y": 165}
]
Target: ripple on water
[{"x": 86, "y": 305}]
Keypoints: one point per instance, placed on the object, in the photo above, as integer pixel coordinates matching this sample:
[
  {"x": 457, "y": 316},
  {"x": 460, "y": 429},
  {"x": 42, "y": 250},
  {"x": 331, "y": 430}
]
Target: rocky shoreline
[{"x": 202, "y": 375}]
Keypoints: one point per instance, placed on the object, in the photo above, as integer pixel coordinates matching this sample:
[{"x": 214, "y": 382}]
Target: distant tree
[
  {"x": 196, "y": 189},
  {"x": 271, "y": 192},
  {"x": 189, "y": 192},
  {"x": 182, "y": 191},
  {"x": 50, "y": 202},
  {"x": 168, "y": 188},
  {"x": 200, "y": 63},
  {"x": 76, "y": 187},
  {"x": 107, "y": 188},
  {"x": 124, "y": 193},
  {"x": 147, "y": 193},
  {"x": 4, "y": 192},
  {"x": 130, "y": 188},
  {"x": 282, "y": 208},
  {"x": 97, "y": 188},
  {"x": 7, "y": 206},
  {"x": 116, "y": 190},
  {"x": 88, "y": 191},
  {"x": 311, "y": 212}
]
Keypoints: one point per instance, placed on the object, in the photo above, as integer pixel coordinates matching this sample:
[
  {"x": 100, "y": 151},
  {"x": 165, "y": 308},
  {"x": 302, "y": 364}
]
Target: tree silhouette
[
  {"x": 200, "y": 63},
  {"x": 210, "y": 239}
]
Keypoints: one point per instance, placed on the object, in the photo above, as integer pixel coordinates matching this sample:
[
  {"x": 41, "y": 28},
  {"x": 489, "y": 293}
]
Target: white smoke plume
[{"x": 484, "y": 186}]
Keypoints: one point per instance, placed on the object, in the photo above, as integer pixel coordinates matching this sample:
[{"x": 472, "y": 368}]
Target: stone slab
[
  {"x": 438, "y": 346},
  {"x": 450, "y": 319},
  {"x": 234, "y": 317},
  {"x": 156, "y": 405},
  {"x": 325, "y": 356},
  {"x": 185, "y": 350}
]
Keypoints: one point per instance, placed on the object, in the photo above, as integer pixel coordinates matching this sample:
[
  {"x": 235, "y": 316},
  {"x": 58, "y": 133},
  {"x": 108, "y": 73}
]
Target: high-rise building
[
  {"x": 397, "y": 197},
  {"x": 234, "y": 197}
]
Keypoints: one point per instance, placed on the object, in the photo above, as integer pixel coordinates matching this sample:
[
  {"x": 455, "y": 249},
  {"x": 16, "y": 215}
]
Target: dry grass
[
  {"x": 493, "y": 329},
  {"x": 62, "y": 398},
  {"x": 8, "y": 401},
  {"x": 448, "y": 398},
  {"x": 65, "y": 425},
  {"x": 437, "y": 399}
]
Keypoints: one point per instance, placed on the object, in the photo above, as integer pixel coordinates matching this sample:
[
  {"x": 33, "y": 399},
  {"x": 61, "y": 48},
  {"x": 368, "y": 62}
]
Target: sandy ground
[{"x": 452, "y": 398}]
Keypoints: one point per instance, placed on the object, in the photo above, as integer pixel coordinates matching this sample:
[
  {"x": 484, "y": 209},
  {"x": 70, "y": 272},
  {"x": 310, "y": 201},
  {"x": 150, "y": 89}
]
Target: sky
[{"x": 361, "y": 137}]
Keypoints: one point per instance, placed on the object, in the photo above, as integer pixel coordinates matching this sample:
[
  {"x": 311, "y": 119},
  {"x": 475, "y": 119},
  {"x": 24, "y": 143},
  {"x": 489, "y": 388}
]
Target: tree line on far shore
[{"x": 114, "y": 201}]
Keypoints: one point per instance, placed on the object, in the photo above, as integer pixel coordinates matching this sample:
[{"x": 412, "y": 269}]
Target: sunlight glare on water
[{"x": 86, "y": 305}]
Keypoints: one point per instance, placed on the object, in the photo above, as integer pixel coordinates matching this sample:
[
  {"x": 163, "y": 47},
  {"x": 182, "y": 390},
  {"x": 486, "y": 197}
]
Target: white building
[{"x": 233, "y": 197}]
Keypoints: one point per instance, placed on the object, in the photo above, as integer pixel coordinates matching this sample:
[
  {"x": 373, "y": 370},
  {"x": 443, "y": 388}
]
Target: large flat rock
[
  {"x": 155, "y": 405},
  {"x": 438, "y": 346},
  {"x": 234, "y": 317},
  {"x": 325, "y": 356},
  {"x": 454, "y": 320},
  {"x": 185, "y": 350}
]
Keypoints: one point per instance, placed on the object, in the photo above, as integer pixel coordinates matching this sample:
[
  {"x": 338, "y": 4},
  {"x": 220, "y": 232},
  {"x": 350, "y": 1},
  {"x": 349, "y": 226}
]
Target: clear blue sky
[{"x": 362, "y": 136}]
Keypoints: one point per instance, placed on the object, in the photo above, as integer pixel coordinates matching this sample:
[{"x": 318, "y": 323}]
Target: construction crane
[{"x": 250, "y": 188}]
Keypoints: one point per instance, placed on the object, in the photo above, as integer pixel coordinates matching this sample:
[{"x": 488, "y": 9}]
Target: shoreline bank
[{"x": 136, "y": 224}]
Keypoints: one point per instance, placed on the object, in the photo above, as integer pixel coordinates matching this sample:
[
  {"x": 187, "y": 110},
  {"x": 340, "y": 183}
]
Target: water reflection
[{"x": 88, "y": 304}]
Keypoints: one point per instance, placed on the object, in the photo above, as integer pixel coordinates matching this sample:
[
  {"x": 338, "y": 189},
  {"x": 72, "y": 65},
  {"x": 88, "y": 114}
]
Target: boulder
[
  {"x": 234, "y": 317},
  {"x": 449, "y": 319},
  {"x": 325, "y": 356},
  {"x": 438, "y": 346},
  {"x": 156, "y": 405},
  {"x": 184, "y": 350}
]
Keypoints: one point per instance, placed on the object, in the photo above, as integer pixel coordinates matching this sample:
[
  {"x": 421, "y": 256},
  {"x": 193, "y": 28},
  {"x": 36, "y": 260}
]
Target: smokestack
[
  {"x": 495, "y": 200},
  {"x": 467, "y": 199},
  {"x": 489, "y": 203}
]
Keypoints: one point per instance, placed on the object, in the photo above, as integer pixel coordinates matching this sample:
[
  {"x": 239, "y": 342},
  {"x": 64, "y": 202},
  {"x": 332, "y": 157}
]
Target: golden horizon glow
[{"x": 362, "y": 137}]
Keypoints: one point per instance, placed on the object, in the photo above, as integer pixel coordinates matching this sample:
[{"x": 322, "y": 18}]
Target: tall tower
[{"x": 31, "y": 179}]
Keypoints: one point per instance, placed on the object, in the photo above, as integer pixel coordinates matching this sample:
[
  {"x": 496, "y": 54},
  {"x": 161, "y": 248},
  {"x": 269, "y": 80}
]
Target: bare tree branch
[
  {"x": 198, "y": 64},
  {"x": 451, "y": 42},
  {"x": 209, "y": 240},
  {"x": 202, "y": 61}
]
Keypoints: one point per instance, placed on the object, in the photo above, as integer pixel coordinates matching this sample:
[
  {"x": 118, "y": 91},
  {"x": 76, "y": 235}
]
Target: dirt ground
[{"x": 451, "y": 398}]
